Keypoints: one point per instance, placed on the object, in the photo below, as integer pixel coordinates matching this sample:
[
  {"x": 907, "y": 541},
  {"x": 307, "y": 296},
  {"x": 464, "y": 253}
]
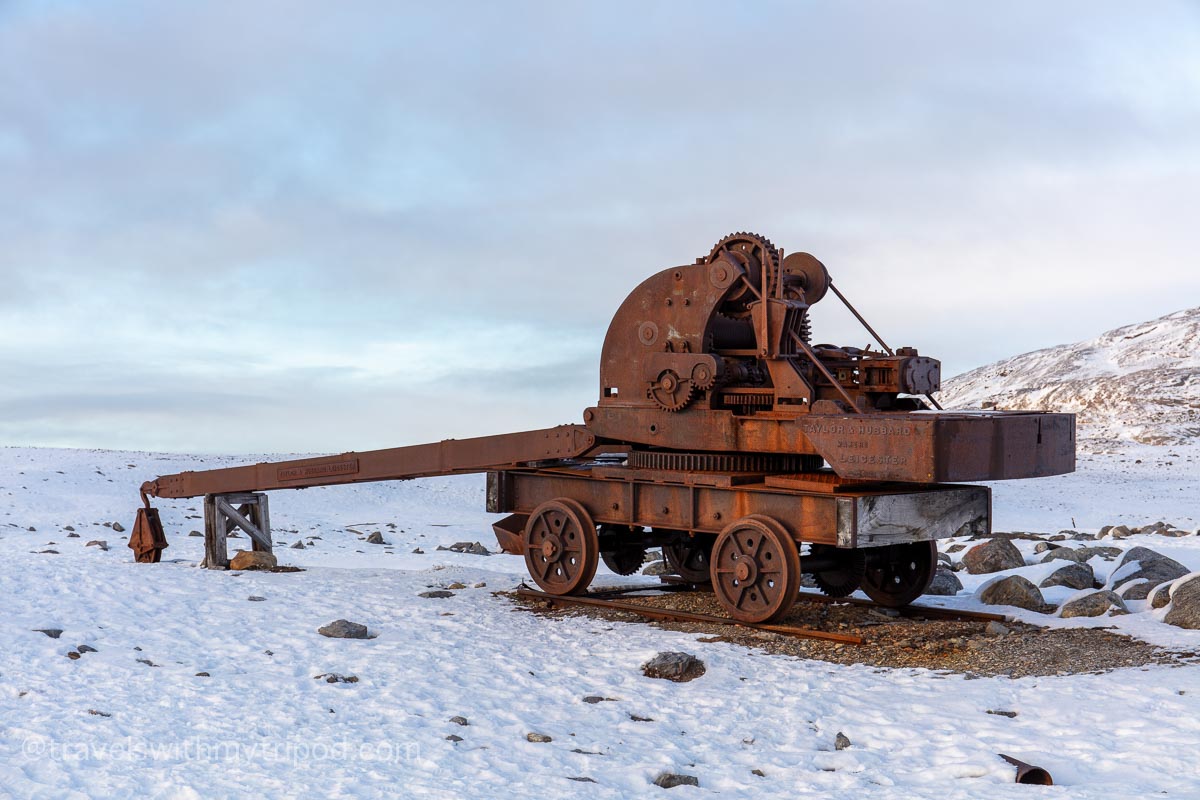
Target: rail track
[{"x": 607, "y": 599}]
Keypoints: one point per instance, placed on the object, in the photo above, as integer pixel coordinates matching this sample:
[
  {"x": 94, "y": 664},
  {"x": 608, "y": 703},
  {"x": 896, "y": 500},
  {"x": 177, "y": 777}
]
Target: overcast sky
[{"x": 315, "y": 226}]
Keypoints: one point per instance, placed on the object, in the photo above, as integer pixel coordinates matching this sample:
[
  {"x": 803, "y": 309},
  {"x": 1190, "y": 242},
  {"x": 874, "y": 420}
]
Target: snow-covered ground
[{"x": 261, "y": 725}]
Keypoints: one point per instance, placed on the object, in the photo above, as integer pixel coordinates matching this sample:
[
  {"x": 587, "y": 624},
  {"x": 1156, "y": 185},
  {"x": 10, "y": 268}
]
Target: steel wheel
[
  {"x": 756, "y": 569},
  {"x": 897, "y": 574},
  {"x": 689, "y": 558},
  {"x": 561, "y": 547}
]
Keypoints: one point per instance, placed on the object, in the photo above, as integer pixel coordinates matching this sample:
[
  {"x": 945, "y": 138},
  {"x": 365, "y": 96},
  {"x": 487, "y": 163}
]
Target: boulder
[
  {"x": 1160, "y": 596},
  {"x": 1012, "y": 590},
  {"x": 1081, "y": 554},
  {"x": 1148, "y": 568},
  {"x": 538, "y": 738},
  {"x": 375, "y": 538},
  {"x": 1185, "y": 604},
  {"x": 1077, "y": 576},
  {"x": 1120, "y": 532},
  {"x": 253, "y": 559},
  {"x": 1093, "y": 604},
  {"x": 993, "y": 556},
  {"x": 678, "y": 667},
  {"x": 945, "y": 583},
  {"x": 669, "y": 780},
  {"x": 344, "y": 629}
]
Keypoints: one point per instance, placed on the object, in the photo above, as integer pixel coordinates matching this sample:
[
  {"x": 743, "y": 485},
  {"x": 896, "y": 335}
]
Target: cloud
[{"x": 275, "y": 217}]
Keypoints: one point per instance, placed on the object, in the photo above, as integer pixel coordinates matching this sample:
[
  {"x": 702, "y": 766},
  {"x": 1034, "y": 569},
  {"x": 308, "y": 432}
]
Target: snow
[{"x": 262, "y": 726}]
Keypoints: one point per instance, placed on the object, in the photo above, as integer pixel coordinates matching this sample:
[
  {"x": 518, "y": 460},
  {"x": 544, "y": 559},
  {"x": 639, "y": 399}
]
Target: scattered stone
[
  {"x": 299, "y": 545},
  {"x": 1042, "y": 547},
  {"x": 944, "y": 583},
  {"x": 1185, "y": 604},
  {"x": 1093, "y": 604},
  {"x": 118, "y": 527},
  {"x": 53, "y": 633},
  {"x": 436, "y": 593},
  {"x": 581, "y": 779},
  {"x": 253, "y": 559},
  {"x": 636, "y": 718},
  {"x": 593, "y": 699},
  {"x": 1009, "y": 714},
  {"x": 841, "y": 741},
  {"x": 457, "y": 585},
  {"x": 471, "y": 548},
  {"x": 480, "y": 585},
  {"x": 1120, "y": 532},
  {"x": 203, "y": 675},
  {"x": 96, "y": 713},
  {"x": 945, "y": 559},
  {"x": 72, "y": 535},
  {"x": 454, "y": 737},
  {"x": 31, "y": 529},
  {"x": 1152, "y": 569},
  {"x": 195, "y": 533},
  {"x": 344, "y": 629},
  {"x": 758, "y": 772},
  {"x": 1160, "y": 596},
  {"x": 101, "y": 543},
  {"x": 147, "y": 662},
  {"x": 538, "y": 738},
  {"x": 70, "y": 528},
  {"x": 669, "y": 780},
  {"x": 53, "y": 552},
  {"x": 255, "y": 598},
  {"x": 1076, "y": 576},
  {"x": 1081, "y": 554},
  {"x": 86, "y": 648},
  {"x": 333, "y": 677},
  {"x": 656, "y": 568},
  {"x": 376, "y": 538},
  {"x": 678, "y": 667},
  {"x": 956, "y": 548},
  {"x": 1012, "y": 590},
  {"x": 460, "y": 721},
  {"x": 74, "y": 656},
  {"x": 994, "y": 556},
  {"x": 994, "y": 628},
  {"x": 418, "y": 551}
]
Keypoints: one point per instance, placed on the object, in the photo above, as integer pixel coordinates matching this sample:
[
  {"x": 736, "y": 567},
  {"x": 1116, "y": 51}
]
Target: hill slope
[{"x": 1139, "y": 383}]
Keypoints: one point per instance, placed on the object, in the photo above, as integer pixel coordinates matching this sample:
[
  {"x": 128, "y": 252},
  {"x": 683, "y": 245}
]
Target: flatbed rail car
[{"x": 724, "y": 436}]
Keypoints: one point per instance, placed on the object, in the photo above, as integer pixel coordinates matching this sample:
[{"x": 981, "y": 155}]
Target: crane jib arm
[{"x": 452, "y": 456}]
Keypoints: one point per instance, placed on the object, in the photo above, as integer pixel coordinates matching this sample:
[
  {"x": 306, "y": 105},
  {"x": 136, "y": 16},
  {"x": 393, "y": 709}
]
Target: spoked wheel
[
  {"x": 756, "y": 569},
  {"x": 619, "y": 551},
  {"x": 561, "y": 547},
  {"x": 846, "y": 574},
  {"x": 897, "y": 574},
  {"x": 689, "y": 558}
]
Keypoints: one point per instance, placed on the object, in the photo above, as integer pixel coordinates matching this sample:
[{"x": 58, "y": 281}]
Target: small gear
[
  {"x": 844, "y": 579},
  {"x": 671, "y": 392},
  {"x": 703, "y": 377}
]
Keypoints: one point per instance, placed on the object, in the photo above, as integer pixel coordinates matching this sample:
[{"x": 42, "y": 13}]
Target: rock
[
  {"x": 344, "y": 629},
  {"x": 538, "y": 738},
  {"x": 945, "y": 559},
  {"x": 758, "y": 772},
  {"x": 841, "y": 741},
  {"x": 454, "y": 737},
  {"x": 994, "y": 628},
  {"x": 1081, "y": 554},
  {"x": 636, "y": 718},
  {"x": 1042, "y": 547},
  {"x": 53, "y": 633},
  {"x": 86, "y": 648},
  {"x": 253, "y": 559},
  {"x": 101, "y": 543},
  {"x": 195, "y": 533},
  {"x": 669, "y": 780},
  {"x": 1083, "y": 537},
  {"x": 480, "y": 585},
  {"x": 457, "y": 585},
  {"x": 69, "y": 528},
  {"x": 993, "y": 556},
  {"x": 255, "y": 598},
  {"x": 1012, "y": 590},
  {"x": 592, "y": 699},
  {"x": 581, "y": 779},
  {"x": 299, "y": 545},
  {"x": 1009, "y": 714},
  {"x": 418, "y": 551},
  {"x": 460, "y": 721},
  {"x": 471, "y": 548},
  {"x": 956, "y": 548},
  {"x": 72, "y": 535},
  {"x": 1185, "y": 604},
  {"x": 656, "y": 568},
  {"x": 376, "y": 538},
  {"x": 54, "y": 552},
  {"x": 333, "y": 677},
  {"x": 203, "y": 675},
  {"x": 1152, "y": 569},
  {"x": 678, "y": 667},
  {"x": 1092, "y": 604},
  {"x": 435, "y": 594},
  {"x": 945, "y": 583},
  {"x": 1160, "y": 596},
  {"x": 1120, "y": 532},
  {"x": 118, "y": 527},
  {"x": 74, "y": 656},
  {"x": 1076, "y": 576}
]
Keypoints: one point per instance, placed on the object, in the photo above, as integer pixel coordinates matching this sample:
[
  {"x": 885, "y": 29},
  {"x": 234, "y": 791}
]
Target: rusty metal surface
[
  {"x": 147, "y": 539},
  {"x": 1029, "y": 773}
]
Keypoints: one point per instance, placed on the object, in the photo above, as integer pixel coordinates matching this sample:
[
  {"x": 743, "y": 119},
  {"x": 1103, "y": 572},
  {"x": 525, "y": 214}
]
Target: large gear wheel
[
  {"x": 844, "y": 579},
  {"x": 757, "y": 256},
  {"x": 671, "y": 392}
]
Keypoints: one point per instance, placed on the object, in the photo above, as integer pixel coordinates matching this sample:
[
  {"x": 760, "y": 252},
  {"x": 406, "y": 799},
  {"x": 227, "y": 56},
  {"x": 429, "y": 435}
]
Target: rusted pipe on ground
[{"x": 1028, "y": 773}]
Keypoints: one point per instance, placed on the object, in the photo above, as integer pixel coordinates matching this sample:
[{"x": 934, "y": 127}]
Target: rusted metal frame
[
  {"x": 686, "y": 616},
  {"x": 808, "y": 351}
]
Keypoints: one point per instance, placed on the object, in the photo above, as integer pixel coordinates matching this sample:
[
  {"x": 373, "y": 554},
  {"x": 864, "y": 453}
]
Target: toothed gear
[
  {"x": 671, "y": 392},
  {"x": 846, "y": 579},
  {"x": 757, "y": 256}
]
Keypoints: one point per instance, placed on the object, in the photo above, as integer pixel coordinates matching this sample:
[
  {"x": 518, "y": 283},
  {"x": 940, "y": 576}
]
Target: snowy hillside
[
  {"x": 171, "y": 681},
  {"x": 1136, "y": 384}
]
